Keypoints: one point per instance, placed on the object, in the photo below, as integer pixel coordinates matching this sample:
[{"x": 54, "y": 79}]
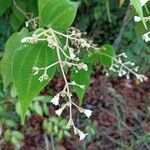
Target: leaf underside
[{"x": 26, "y": 83}]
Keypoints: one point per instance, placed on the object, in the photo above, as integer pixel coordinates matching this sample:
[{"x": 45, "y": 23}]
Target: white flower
[
  {"x": 75, "y": 130},
  {"x": 85, "y": 67},
  {"x": 124, "y": 55},
  {"x": 146, "y": 37},
  {"x": 55, "y": 100},
  {"x": 120, "y": 74},
  {"x": 143, "y": 2},
  {"x": 24, "y": 40},
  {"x": 59, "y": 111},
  {"x": 27, "y": 24},
  {"x": 137, "y": 19},
  {"x": 82, "y": 66},
  {"x": 87, "y": 112},
  {"x": 81, "y": 134},
  {"x": 31, "y": 40},
  {"x": 72, "y": 55},
  {"x": 43, "y": 77},
  {"x": 35, "y": 70},
  {"x": 141, "y": 77}
]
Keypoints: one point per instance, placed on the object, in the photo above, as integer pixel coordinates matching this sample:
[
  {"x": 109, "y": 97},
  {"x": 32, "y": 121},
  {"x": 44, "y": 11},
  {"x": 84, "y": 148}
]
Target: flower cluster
[
  {"x": 125, "y": 68},
  {"x": 55, "y": 101},
  {"x": 70, "y": 49},
  {"x": 33, "y": 21},
  {"x": 31, "y": 40},
  {"x": 77, "y": 40}
]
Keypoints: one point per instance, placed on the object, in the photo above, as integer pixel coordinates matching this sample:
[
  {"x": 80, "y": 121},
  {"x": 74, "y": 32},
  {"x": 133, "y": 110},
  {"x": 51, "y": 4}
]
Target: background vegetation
[{"x": 121, "y": 115}]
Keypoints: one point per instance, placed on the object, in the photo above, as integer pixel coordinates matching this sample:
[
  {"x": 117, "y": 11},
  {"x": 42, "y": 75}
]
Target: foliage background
[{"x": 106, "y": 22}]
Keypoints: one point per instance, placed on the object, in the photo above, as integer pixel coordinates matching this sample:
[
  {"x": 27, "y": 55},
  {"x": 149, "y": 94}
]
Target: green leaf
[
  {"x": 106, "y": 53},
  {"x": 137, "y": 5},
  {"x": 4, "y": 5},
  {"x": 49, "y": 128},
  {"x": 41, "y": 4},
  {"x": 7, "y": 135},
  {"x": 67, "y": 134},
  {"x": 13, "y": 43},
  {"x": 94, "y": 57},
  {"x": 58, "y": 14},
  {"x": 60, "y": 135},
  {"x": 81, "y": 77},
  {"x": 140, "y": 30},
  {"x": 45, "y": 109},
  {"x": 18, "y": 135},
  {"x": 38, "y": 109},
  {"x": 26, "y": 83}
]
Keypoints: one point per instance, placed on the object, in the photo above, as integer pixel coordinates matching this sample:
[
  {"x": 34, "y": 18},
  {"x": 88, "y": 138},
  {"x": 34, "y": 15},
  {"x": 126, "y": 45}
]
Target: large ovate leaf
[
  {"x": 107, "y": 53},
  {"x": 137, "y": 5},
  {"x": 41, "y": 4},
  {"x": 4, "y": 5},
  {"x": 27, "y": 84},
  {"x": 81, "y": 77},
  {"x": 13, "y": 43},
  {"x": 58, "y": 14}
]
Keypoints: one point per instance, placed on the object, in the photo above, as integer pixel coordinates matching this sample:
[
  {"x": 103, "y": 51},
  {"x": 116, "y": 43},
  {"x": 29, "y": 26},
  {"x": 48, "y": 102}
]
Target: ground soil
[{"x": 121, "y": 114}]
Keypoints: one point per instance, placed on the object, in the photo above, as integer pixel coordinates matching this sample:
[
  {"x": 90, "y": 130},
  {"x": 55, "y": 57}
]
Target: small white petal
[
  {"x": 87, "y": 112},
  {"x": 82, "y": 135},
  {"x": 75, "y": 131},
  {"x": 24, "y": 40},
  {"x": 55, "y": 100},
  {"x": 59, "y": 112},
  {"x": 72, "y": 55},
  {"x": 137, "y": 19},
  {"x": 36, "y": 72},
  {"x": 26, "y": 24}
]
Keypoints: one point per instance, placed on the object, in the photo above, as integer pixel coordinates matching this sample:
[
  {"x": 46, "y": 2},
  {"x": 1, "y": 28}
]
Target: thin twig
[
  {"x": 124, "y": 24},
  {"x": 24, "y": 14},
  {"x": 52, "y": 142},
  {"x": 22, "y": 11},
  {"x": 47, "y": 145}
]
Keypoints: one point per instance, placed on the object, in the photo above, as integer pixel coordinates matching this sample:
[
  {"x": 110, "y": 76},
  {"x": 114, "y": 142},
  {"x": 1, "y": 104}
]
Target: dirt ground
[{"x": 121, "y": 115}]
